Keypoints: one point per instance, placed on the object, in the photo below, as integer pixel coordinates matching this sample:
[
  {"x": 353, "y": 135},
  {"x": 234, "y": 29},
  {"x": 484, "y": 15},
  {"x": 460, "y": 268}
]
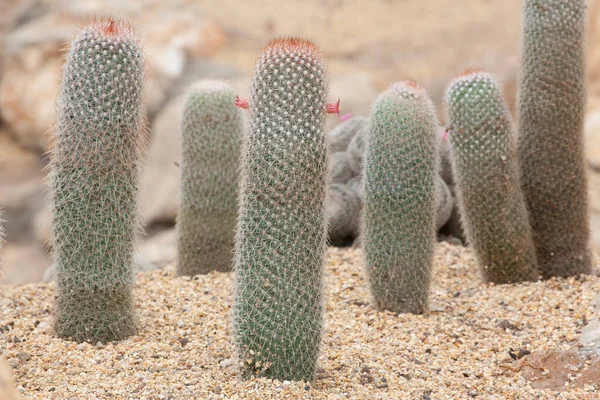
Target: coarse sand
[{"x": 459, "y": 350}]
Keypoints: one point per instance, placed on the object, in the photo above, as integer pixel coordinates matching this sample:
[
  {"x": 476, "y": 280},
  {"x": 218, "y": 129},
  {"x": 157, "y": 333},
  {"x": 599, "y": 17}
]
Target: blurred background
[{"x": 368, "y": 44}]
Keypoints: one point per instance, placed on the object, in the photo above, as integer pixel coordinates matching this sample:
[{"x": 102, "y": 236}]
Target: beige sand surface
[{"x": 460, "y": 350}]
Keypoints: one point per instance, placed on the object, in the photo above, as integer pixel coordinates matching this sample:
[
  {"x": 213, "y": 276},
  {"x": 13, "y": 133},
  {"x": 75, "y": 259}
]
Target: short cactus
[
  {"x": 356, "y": 147},
  {"x": 210, "y": 142},
  {"x": 486, "y": 171},
  {"x": 342, "y": 213},
  {"x": 94, "y": 177},
  {"x": 444, "y": 202},
  {"x": 400, "y": 171},
  {"x": 551, "y": 107},
  {"x": 339, "y": 167},
  {"x": 281, "y": 232},
  {"x": 340, "y": 137}
]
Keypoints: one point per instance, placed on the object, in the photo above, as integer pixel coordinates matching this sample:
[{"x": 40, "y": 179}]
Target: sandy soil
[{"x": 460, "y": 349}]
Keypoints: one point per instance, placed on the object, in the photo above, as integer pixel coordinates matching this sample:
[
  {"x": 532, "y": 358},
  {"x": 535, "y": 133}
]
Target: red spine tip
[
  {"x": 345, "y": 117},
  {"x": 241, "y": 102},
  {"x": 445, "y": 135},
  {"x": 333, "y": 108}
]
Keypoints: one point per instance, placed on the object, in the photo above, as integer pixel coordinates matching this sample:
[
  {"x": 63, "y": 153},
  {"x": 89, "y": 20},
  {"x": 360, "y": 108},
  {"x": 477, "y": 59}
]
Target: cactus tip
[
  {"x": 241, "y": 102},
  {"x": 333, "y": 108},
  {"x": 412, "y": 84},
  {"x": 292, "y": 44},
  {"x": 471, "y": 71}
]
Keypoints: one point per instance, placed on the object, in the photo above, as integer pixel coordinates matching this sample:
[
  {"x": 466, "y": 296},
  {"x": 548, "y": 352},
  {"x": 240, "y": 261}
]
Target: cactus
[
  {"x": 356, "y": 149},
  {"x": 342, "y": 214},
  {"x": 211, "y": 141},
  {"x": 339, "y": 168},
  {"x": 340, "y": 137},
  {"x": 486, "y": 170},
  {"x": 281, "y": 232},
  {"x": 94, "y": 178},
  {"x": 444, "y": 202},
  {"x": 551, "y": 106},
  {"x": 400, "y": 171}
]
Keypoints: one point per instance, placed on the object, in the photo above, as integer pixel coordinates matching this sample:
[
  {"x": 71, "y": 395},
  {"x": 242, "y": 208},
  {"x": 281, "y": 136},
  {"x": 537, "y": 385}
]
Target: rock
[
  {"x": 161, "y": 174},
  {"x": 590, "y": 334},
  {"x": 356, "y": 151},
  {"x": 342, "y": 212},
  {"x": 445, "y": 165},
  {"x": 339, "y": 167},
  {"x": 25, "y": 262},
  {"x": 34, "y": 51},
  {"x": 339, "y": 137},
  {"x": 453, "y": 226},
  {"x": 27, "y": 102},
  {"x": 592, "y": 139},
  {"x": 7, "y": 383},
  {"x": 444, "y": 201},
  {"x": 160, "y": 249},
  {"x": 356, "y": 185}
]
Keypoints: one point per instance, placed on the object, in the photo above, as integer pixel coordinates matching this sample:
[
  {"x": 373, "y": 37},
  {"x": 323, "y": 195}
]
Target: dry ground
[{"x": 184, "y": 350}]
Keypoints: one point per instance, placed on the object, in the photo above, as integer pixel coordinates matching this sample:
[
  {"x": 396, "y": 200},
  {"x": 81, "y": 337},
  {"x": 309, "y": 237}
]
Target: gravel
[{"x": 467, "y": 346}]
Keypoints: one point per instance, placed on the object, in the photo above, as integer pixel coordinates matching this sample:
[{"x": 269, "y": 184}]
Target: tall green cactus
[
  {"x": 94, "y": 177},
  {"x": 486, "y": 172},
  {"x": 211, "y": 141},
  {"x": 551, "y": 106},
  {"x": 399, "y": 215},
  {"x": 281, "y": 233}
]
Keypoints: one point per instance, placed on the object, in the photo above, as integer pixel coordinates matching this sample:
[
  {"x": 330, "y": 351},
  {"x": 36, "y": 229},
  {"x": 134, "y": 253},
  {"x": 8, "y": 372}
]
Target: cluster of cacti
[
  {"x": 343, "y": 201},
  {"x": 271, "y": 224},
  {"x": 400, "y": 172},
  {"x": 486, "y": 172},
  {"x": 94, "y": 177},
  {"x": 342, "y": 213},
  {"x": 345, "y": 164},
  {"x": 551, "y": 106},
  {"x": 281, "y": 233},
  {"x": 211, "y": 141}
]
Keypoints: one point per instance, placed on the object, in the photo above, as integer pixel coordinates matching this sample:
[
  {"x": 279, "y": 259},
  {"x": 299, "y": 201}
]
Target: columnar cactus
[
  {"x": 486, "y": 172},
  {"x": 94, "y": 177},
  {"x": 281, "y": 232},
  {"x": 211, "y": 142},
  {"x": 551, "y": 106},
  {"x": 399, "y": 216}
]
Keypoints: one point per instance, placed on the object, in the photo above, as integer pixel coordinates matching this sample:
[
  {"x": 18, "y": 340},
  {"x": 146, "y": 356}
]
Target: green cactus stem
[
  {"x": 551, "y": 107},
  {"x": 281, "y": 232},
  {"x": 211, "y": 142},
  {"x": 399, "y": 215},
  {"x": 486, "y": 171},
  {"x": 94, "y": 177}
]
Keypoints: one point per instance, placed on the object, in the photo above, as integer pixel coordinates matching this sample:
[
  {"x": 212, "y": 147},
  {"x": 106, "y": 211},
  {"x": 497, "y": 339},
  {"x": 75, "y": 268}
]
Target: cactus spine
[
  {"x": 399, "y": 216},
  {"x": 211, "y": 141},
  {"x": 486, "y": 172},
  {"x": 94, "y": 178},
  {"x": 281, "y": 232},
  {"x": 551, "y": 106}
]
